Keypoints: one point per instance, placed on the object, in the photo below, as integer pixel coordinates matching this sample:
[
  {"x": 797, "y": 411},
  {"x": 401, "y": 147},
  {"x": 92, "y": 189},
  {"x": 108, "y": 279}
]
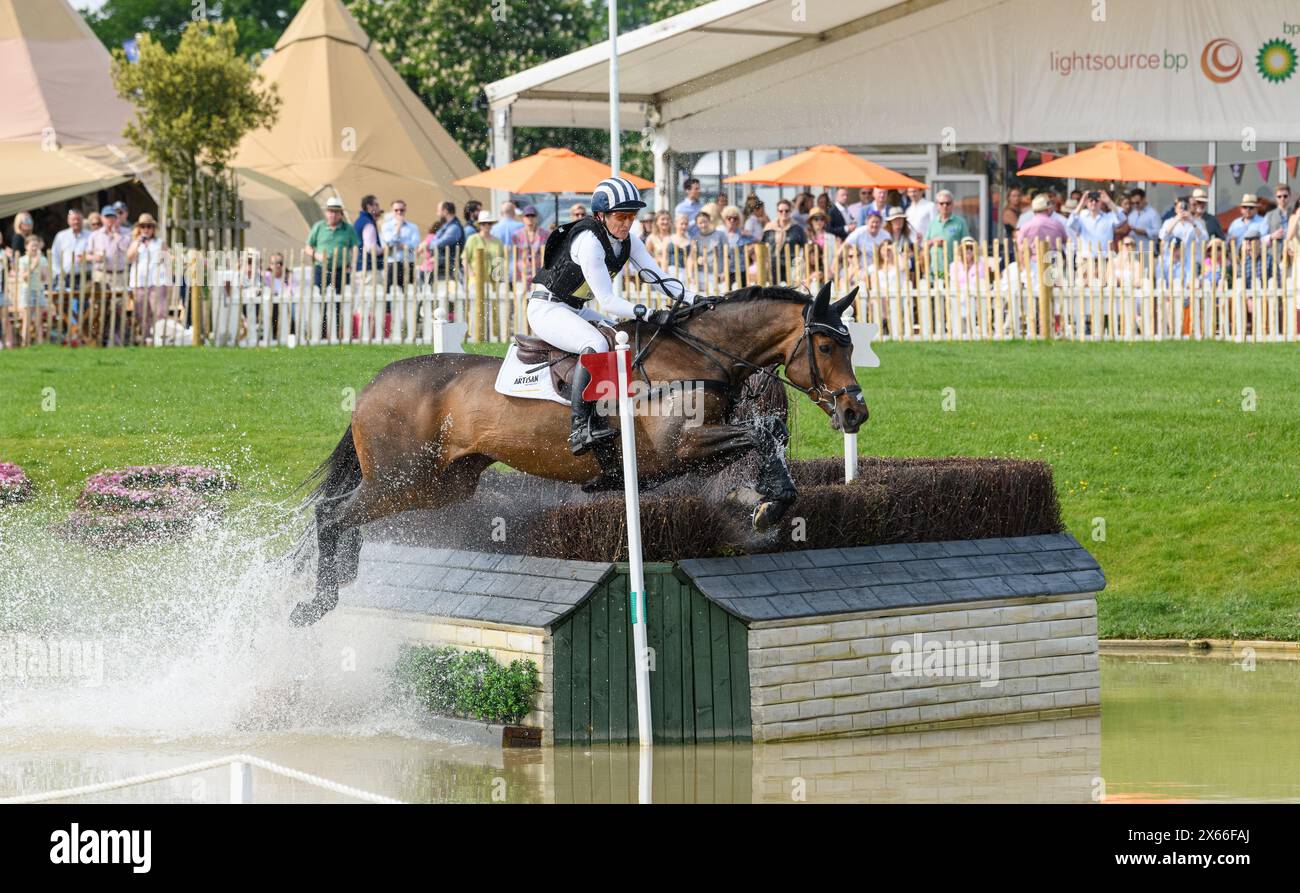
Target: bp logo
[{"x": 1276, "y": 61}]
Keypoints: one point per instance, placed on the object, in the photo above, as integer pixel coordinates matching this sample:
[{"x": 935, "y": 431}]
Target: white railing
[
  {"x": 234, "y": 299},
  {"x": 241, "y": 782}
]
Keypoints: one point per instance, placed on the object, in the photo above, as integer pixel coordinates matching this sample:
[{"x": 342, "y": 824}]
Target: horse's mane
[
  {"x": 766, "y": 293},
  {"x": 750, "y": 294}
]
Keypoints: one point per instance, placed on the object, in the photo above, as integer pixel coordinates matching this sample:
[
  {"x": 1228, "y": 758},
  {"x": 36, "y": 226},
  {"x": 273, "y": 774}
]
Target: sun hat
[
  {"x": 1248, "y": 200},
  {"x": 108, "y": 211},
  {"x": 1040, "y": 202},
  {"x": 1200, "y": 195},
  {"x": 895, "y": 214},
  {"x": 334, "y": 204},
  {"x": 530, "y": 211}
]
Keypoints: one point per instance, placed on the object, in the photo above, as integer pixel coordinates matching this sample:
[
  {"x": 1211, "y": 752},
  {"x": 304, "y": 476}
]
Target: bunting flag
[{"x": 1265, "y": 168}]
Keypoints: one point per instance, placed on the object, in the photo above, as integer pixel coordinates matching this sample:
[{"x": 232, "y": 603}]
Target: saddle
[{"x": 534, "y": 351}]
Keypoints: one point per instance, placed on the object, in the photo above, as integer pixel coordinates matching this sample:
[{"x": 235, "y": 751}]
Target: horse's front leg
[{"x": 709, "y": 447}]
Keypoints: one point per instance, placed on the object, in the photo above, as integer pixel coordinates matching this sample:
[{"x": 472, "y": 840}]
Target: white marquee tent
[{"x": 737, "y": 74}]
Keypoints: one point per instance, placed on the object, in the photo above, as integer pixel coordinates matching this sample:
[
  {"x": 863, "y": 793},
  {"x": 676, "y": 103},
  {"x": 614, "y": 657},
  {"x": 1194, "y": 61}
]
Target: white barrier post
[
  {"x": 862, "y": 334},
  {"x": 241, "y": 782},
  {"x": 447, "y": 336}
]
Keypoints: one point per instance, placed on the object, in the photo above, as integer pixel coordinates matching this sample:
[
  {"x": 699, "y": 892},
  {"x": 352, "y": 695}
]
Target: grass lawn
[{"x": 1198, "y": 497}]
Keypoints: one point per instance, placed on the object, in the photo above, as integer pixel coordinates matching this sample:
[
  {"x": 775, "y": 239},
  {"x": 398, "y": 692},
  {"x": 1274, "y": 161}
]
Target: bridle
[{"x": 817, "y": 391}]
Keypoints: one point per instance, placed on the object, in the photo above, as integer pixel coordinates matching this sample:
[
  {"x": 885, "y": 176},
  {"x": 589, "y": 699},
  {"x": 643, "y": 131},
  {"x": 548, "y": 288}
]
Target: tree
[
  {"x": 260, "y": 22},
  {"x": 193, "y": 106}
]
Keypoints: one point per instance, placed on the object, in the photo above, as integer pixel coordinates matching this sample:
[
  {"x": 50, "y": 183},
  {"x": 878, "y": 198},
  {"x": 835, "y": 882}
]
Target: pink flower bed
[
  {"x": 148, "y": 477},
  {"x": 15, "y": 486},
  {"x": 125, "y": 528},
  {"x": 144, "y": 503}
]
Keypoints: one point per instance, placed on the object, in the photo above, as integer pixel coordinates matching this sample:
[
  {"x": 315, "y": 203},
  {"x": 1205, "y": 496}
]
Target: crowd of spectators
[{"x": 876, "y": 235}]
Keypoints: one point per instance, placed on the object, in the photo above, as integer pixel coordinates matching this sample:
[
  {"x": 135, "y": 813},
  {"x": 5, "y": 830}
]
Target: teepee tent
[
  {"x": 62, "y": 122},
  {"x": 61, "y": 125},
  {"x": 55, "y": 76},
  {"x": 349, "y": 126}
]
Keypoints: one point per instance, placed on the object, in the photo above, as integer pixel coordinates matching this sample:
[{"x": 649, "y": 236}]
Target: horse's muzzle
[{"x": 849, "y": 415}]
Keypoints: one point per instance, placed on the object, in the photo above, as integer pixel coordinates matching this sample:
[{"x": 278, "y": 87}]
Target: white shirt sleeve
[{"x": 586, "y": 251}]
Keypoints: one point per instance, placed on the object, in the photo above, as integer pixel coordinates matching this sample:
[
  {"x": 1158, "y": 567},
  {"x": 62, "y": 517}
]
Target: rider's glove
[{"x": 661, "y": 317}]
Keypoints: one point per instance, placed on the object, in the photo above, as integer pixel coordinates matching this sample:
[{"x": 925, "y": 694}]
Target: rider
[{"x": 581, "y": 260}]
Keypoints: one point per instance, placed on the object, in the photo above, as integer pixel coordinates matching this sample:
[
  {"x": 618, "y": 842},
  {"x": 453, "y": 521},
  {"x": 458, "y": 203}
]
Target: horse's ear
[
  {"x": 838, "y": 307},
  {"x": 822, "y": 301}
]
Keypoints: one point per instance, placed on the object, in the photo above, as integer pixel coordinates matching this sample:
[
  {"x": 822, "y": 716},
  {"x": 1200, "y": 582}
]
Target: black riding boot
[{"x": 587, "y": 428}]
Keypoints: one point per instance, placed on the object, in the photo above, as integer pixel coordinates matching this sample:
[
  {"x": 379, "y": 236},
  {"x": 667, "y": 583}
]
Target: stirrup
[{"x": 585, "y": 437}]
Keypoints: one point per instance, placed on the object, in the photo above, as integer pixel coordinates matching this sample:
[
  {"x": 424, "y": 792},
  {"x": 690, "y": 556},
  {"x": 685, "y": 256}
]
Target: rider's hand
[{"x": 661, "y": 317}]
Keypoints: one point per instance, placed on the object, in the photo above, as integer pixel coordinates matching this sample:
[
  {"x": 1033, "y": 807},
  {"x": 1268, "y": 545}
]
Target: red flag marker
[{"x": 604, "y": 373}]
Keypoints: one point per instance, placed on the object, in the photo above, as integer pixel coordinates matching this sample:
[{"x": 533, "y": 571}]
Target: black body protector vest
[{"x": 561, "y": 274}]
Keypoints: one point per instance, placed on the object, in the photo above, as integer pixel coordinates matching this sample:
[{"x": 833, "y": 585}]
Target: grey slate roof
[
  {"x": 514, "y": 589},
  {"x": 869, "y": 578}
]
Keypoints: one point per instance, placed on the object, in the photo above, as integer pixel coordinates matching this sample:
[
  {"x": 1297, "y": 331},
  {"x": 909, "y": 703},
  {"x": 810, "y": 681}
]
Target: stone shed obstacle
[{"x": 849, "y": 631}]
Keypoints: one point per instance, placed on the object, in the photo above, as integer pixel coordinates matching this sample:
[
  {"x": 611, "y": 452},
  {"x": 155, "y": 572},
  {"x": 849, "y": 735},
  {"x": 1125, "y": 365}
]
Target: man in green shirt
[
  {"x": 946, "y": 229},
  {"x": 328, "y": 243},
  {"x": 332, "y": 243}
]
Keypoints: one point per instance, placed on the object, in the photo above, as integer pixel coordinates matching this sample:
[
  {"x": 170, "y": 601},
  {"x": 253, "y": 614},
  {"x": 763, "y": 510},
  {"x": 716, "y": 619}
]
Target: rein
[{"x": 817, "y": 391}]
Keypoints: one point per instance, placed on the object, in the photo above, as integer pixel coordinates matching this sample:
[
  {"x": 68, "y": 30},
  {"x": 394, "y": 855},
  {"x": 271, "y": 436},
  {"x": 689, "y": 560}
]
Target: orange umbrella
[
  {"x": 1115, "y": 161},
  {"x": 550, "y": 170},
  {"x": 827, "y": 166}
]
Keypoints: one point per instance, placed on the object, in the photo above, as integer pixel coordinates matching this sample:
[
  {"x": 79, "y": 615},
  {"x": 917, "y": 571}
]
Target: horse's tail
[{"x": 333, "y": 479}]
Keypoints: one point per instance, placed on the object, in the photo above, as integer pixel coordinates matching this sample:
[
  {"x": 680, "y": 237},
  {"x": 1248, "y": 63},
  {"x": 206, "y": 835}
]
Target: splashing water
[{"x": 175, "y": 640}]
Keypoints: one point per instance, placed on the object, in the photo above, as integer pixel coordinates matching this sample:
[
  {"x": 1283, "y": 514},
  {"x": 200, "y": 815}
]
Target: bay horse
[{"x": 427, "y": 427}]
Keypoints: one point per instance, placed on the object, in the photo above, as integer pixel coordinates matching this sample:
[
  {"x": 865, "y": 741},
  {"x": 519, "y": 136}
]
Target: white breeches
[{"x": 562, "y": 326}]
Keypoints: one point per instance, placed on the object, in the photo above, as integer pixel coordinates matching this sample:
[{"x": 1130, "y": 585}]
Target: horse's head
[{"x": 822, "y": 362}]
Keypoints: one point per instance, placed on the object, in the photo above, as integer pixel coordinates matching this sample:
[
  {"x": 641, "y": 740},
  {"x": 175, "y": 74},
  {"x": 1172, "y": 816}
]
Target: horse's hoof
[
  {"x": 764, "y": 514},
  {"x": 768, "y": 514},
  {"x": 307, "y": 613}
]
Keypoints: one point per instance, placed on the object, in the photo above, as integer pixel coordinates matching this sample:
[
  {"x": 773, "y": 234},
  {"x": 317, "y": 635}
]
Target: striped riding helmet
[{"x": 616, "y": 194}]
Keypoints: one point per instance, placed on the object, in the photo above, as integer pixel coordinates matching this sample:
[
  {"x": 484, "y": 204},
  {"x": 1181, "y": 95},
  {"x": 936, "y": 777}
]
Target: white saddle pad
[{"x": 514, "y": 380}]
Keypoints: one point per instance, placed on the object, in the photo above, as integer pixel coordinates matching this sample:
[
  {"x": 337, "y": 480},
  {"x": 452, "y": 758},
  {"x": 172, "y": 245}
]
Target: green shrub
[{"x": 468, "y": 684}]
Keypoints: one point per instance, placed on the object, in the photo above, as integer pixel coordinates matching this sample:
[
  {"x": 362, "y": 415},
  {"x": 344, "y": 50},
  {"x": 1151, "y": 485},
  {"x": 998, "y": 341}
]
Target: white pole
[
  {"x": 241, "y": 782},
  {"x": 615, "y": 148},
  {"x": 850, "y": 457},
  {"x": 636, "y": 572},
  {"x": 615, "y": 155}
]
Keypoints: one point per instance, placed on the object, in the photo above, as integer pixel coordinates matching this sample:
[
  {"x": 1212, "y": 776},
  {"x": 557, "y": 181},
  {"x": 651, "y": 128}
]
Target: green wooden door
[{"x": 699, "y": 679}]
